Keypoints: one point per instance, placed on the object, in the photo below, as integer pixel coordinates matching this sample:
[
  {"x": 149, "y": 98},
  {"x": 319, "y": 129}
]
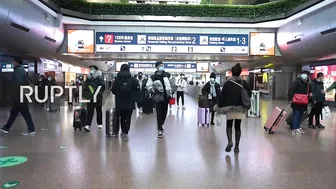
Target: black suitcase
[
  {"x": 148, "y": 106},
  {"x": 79, "y": 118},
  {"x": 112, "y": 122}
]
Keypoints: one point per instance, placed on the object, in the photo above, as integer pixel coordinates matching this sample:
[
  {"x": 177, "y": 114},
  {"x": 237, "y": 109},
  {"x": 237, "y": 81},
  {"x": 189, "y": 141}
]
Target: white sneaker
[
  {"x": 100, "y": 126},
  {"x": 301, "y": 131},
  {"x": 87, "y": 128}
]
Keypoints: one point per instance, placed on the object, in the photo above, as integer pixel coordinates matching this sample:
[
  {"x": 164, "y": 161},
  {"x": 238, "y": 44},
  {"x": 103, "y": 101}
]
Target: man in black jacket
[
  {"x": 124, "y": 88},
  {"x": 20, "y": 78},
  {"x": 92, "y": 83},
  {"x": 318, "y": 98}
]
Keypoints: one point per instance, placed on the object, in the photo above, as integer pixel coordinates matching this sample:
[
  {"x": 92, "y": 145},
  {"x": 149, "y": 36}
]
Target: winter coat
[
  {"x": 94, "y": 81},
  {"x": 20, "y": 78},
  {"x": 181, "y": 85},
  {"x": 316, "y": 88},
  {"x": 206, "y": 91},
  {"x": 298, "y": 87},
  {"x": 133, "y": 84},
  {"x": 230, "y": 98},
  {"x": 158, "y": 84}
]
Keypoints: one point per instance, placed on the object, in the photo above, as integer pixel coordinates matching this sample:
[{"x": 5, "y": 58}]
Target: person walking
[
  {"x": 123, "y": 88},
  {"x": 318, "y": 98},
  {"x": 20, "y": 78},
  {"x": 159, "y": 85},
  {"x": 91, "y": 84},
  {"x": 230, "y": 103},
  {"x": 181, "y": 87},
  {"x": 139, "y": 97},
  {"x": 300, "y": 86},
  {"x": 212, "y": 90}
]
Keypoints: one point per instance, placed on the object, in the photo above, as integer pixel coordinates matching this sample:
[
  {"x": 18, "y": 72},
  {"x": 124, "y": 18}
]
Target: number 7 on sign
[{"x": 108, "y": 38}]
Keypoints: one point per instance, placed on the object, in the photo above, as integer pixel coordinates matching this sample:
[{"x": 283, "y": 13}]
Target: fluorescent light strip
[{"x": 269, "y": 24}]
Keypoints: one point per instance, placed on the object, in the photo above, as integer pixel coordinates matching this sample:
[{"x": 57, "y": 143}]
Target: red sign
[{"x": 108, "y": 38}]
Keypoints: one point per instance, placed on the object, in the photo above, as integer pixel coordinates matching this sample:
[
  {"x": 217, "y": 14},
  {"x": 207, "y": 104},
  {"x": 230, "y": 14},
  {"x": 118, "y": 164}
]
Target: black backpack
[{"x": 125, "y": 92}]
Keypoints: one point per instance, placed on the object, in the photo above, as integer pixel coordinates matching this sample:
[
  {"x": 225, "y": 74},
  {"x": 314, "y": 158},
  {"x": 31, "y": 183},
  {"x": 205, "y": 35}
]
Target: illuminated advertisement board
[
  {"x": 109, "y": 42},
  {"x": 202, "y": 67},
  {"x": 80, "y": 41},
  {"x": 262, "y": 44}
]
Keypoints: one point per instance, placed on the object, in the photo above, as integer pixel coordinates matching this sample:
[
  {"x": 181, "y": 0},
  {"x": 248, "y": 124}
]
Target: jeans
[
  {"x": 90, "y": 111},
  {"x": 24, "y": 110},
  {"x": 180, "y": 94},
  {"x": 161, "y": 113},
  {"x": 125, "y": 120},
  {"x": 316, "y": 111},
  {"x": 296, "y": 119}
]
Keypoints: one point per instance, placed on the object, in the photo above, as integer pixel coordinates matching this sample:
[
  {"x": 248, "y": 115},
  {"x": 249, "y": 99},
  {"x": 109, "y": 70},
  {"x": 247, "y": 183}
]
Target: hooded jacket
[
  {"x": 159, "y": 84},
  {"x": 94, "y": 80},
  {"x": 20, "y": 78},
  {"x": 125, "y": 74},
  {"x": 230, "y": 99}
]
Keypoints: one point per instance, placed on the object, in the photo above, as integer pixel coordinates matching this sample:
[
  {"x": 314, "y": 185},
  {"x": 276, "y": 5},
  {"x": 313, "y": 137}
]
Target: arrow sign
[
  {"x": 101, "y": 38},
  {"x": 11, "y": 184}
]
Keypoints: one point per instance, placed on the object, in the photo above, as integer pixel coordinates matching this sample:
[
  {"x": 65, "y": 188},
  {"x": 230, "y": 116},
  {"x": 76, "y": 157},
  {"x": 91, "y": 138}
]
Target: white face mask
[{"x": 212, "y": 79}]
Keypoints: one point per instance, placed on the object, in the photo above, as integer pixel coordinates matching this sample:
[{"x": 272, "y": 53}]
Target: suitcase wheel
[{"x": 266, "y": 129}]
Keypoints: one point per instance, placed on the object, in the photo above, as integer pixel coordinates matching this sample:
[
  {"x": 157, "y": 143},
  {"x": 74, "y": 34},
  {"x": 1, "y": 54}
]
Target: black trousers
[
  {"x": 24, "y": 110},
  {"x": 180, "y": 94},
  {"x": 161, "y": 113},
  {"x": 316, "y": 111},
  {"x": 90, "y": 111},
  {"x": 125, "y": 117}
]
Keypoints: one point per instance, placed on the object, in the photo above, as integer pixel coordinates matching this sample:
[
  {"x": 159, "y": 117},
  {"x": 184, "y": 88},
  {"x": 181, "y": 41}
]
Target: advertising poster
[
  {"x": 202, "y": 67},
  {"x": 329, "y": 78},
  {"x": 262, "y": 44},
  {"x": 81, "y": 41}
]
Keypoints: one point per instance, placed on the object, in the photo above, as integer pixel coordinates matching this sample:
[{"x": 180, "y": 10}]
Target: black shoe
[
  {"x": 320, "y": 126},
  {"x": 4, "y": 130},
  {"x": 236, "y": 149},
  {"x": 212, "y": 123},
  {"x": 160, "y": 134},
  {"x": 310, "y": 126},
  {"x": 228, "y": 148}
]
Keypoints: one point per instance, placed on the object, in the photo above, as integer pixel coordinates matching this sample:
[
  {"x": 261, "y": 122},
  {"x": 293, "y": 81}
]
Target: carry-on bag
[
  {"x": 148, "y": 106},
  {"x": 54, "y": 106},
  {"x": 112, "y": 122},
  {"x": 277, "y": 117},
  {"x": 79, "y": 118},
  {"x": 203, "y": 116},
  {"x": 172, "y": 101}
]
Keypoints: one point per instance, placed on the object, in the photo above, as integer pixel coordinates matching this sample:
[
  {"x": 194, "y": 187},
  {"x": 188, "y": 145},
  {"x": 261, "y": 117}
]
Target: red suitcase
[{"x": 277, "y": 117}]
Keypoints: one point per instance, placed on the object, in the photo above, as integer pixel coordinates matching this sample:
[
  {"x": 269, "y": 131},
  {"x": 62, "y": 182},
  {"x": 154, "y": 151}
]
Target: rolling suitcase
[
  {"x": 276, "y": 119},
  {"x": 148, "y": 106},
  {"x": 112, "y": 122},
  {"x": 79, "y": 118},
  {"x": 203, "y": 116}
]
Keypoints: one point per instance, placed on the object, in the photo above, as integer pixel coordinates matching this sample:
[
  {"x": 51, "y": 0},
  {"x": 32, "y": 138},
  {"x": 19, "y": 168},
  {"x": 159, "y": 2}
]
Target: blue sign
[
  {"x": 111, "y": 38},
  {"x": 166, "y": 65}
]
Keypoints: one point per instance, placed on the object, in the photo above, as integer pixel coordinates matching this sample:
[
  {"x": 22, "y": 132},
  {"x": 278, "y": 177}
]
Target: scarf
[{"x": 213, "y": 89}]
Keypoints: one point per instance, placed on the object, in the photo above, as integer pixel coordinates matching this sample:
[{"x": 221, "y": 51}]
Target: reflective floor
[{"x": 187, "y": 157}]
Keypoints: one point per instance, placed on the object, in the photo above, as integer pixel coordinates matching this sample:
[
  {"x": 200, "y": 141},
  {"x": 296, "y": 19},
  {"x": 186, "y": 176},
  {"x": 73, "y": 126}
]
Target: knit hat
[
  {"x": 125, "y": 67},
  {"x": 158, "y": 63},
  {"x": 213, "y": 75}
]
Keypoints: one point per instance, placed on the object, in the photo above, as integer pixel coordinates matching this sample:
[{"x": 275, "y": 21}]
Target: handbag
[
  {"x": 172, "y": 101},
  {"x": 301, "y": 99}
]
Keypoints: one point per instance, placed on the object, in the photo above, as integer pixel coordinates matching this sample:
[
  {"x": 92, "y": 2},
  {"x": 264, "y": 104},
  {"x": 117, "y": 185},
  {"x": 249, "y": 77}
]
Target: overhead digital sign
[
  {"x": 166, "y": 65},
  {"x": 262, "y": 44},
  {"x": 80, "y": 41},
  {"x": 107, "y": 42}
]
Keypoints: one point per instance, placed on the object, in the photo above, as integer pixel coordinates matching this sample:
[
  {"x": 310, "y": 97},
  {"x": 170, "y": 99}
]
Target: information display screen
[
  {"x": 262, "y": 44},
  {"x": 81, "y": 41},
  {"x": 172, "y": 43},
  {"x": 329, "y": 73}
]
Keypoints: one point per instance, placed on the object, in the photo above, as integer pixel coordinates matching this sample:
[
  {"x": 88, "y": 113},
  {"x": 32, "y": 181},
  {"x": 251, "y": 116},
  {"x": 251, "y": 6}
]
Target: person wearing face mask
[
  {"x": 159, "y": 85},
  {"x": 212, "y": 90},
  {"x": 300, "y": 86},
  {"x": 92, "y": 83},
  {"x": 139, "y": 96},
  {"x": 181, "y": 87},
  {"x": 318, "y": 98}
]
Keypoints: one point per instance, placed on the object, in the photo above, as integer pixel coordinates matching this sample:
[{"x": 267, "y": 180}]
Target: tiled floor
[{"x": 187, "y": 157}]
